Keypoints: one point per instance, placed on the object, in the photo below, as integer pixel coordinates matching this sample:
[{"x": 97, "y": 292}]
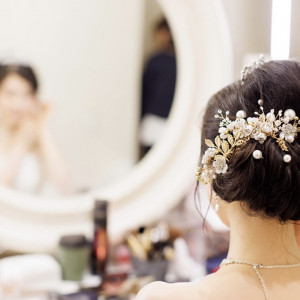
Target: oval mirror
[{"x": 31, "y": 224}]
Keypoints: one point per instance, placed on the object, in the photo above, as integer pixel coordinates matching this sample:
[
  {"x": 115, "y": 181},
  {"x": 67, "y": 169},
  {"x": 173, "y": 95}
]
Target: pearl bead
[
  {"x": 287, "y": 158},
  {"x": 257, "y": 154},
  {"x": 290, "y": 113},
  {"x": 271, "y": 117},
  {"x": 241, "y": 114},
  {"x": 260, "y": 102},
  {"x": 290, "y": 138}
]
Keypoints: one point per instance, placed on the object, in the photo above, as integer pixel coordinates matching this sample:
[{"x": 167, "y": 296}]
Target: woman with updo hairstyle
[
  {"x": 29, "y": 159},
  {"x": 250, "y": 168}
]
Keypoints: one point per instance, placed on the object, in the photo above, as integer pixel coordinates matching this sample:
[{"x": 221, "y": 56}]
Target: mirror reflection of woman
[{"x": 29, "y": 158}]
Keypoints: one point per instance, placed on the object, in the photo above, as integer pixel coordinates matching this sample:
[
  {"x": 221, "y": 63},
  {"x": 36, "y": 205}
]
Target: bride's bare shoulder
[
  {"x": 153, "y": 290},
  {"x": 215, "y": 286},
  {"x": 177, "y": 291},
  {"x": 161, "y": 291}
]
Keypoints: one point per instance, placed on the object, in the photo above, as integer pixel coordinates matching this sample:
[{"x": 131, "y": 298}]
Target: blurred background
[
  {"x": 90, "y": 60},
  {"x": 120, "y": 86}
]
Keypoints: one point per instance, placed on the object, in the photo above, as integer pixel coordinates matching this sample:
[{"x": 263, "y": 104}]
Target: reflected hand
[
  {"x": 40, "y": 112},
  {"x": 30, "y": 129}
]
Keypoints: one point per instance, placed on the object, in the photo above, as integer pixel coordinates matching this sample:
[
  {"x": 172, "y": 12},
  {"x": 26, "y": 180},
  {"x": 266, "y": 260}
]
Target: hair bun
[{"x": 270, "y": 185}]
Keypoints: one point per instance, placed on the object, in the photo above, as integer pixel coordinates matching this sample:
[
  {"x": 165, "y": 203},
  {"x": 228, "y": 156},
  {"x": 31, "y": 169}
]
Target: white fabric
[
  {"x": 29, "y": 176},
  {"x": 24, "y": 272},
  {"x": 152, "y": 127}
]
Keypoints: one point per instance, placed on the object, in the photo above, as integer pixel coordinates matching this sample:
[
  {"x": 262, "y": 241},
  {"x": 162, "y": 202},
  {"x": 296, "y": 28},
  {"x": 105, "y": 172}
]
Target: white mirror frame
[{"x": 158, "y": 182}]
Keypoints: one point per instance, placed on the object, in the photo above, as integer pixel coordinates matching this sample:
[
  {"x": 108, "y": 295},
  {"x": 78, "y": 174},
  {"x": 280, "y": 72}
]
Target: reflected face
[
  {"x": 17, "y": 99},
  {"x": 163, "y": 38}
]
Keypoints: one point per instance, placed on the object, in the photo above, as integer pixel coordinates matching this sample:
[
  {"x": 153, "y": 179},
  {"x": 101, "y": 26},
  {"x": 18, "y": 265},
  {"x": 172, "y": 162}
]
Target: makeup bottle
[{"x": 100, "y": 243}]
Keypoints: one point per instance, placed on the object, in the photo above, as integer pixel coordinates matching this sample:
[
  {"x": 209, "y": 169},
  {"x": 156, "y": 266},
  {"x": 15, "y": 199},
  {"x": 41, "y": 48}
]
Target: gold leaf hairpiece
[{"x": 235, "y": 133}]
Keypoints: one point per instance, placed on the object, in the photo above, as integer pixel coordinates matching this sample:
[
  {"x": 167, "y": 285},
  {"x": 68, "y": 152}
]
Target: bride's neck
[{"x": 262, "y": 240}]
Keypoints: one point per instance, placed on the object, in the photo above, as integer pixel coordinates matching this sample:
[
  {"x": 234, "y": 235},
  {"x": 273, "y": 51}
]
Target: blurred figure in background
[
  {"x": 29, "y": 159},
  {"x": 158, "y": 87}
]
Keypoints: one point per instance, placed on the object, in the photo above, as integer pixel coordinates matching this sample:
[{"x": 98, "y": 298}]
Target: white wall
[
  {"x": 295, "y": 25},
  {"x": 88, "y": 56},
  {"x": 250, "y": 27}
]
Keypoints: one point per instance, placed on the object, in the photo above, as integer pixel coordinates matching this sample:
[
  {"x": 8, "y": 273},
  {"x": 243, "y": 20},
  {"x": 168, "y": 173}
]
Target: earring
[{"x": 217, "y": 206}]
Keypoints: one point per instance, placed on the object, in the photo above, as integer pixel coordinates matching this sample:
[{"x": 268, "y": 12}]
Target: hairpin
[
  {"x": 282, "y": 127},
  {"x": 249, "y": 68}
]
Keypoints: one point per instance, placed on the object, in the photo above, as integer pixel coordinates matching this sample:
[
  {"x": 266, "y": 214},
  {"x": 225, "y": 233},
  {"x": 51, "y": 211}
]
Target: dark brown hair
[
  {"x": 26, "y": 72},
  {"x": 162, "y": 24},
  {"x": 268, "y": 186}
]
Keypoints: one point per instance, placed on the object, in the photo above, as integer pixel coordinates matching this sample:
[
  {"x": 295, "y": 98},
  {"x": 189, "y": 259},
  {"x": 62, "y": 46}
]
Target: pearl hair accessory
[
  {"x": 283, "y": 127},
  {"x": 241, "y": 114},
  {"x": 257, "y": 154}
]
